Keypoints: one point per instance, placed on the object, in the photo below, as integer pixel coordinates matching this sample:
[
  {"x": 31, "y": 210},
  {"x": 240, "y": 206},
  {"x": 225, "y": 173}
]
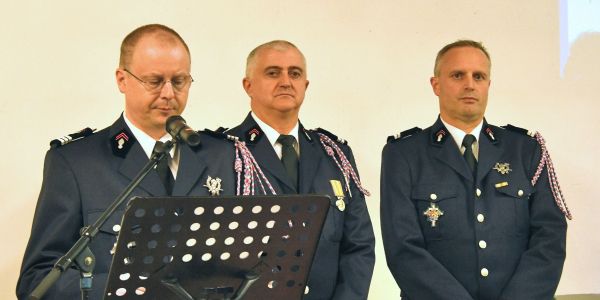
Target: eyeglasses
[{"x": 156, "y": 83}]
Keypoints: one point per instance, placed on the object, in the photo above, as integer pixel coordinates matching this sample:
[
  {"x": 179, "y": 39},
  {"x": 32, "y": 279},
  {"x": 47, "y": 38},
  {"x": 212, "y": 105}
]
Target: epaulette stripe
[
  {"x": 404, "y": 134},
  {"x": 519, "y": 130},
  {"x": 61, "y": 141},
  {"x": 331, "y": 136}
]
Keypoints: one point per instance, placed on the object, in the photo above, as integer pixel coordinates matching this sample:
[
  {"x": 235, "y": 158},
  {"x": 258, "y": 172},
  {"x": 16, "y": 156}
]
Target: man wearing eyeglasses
[{"x": 82, "y": 178}]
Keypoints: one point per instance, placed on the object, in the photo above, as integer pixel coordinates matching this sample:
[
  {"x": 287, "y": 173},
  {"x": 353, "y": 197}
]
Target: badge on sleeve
[
  {"x": 338, "y": 191},
  {"x": 433, "y": 213}
]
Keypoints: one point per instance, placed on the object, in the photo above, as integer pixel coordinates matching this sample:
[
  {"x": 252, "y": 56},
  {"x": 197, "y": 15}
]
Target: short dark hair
[
  {"x": 131, "y": 40},
  {"x": 458, "y": 44}
]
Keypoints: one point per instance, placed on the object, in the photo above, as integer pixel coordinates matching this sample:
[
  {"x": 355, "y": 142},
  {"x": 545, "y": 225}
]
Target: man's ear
[
  {"x": 247, "y": 84},
  {"x": 435, "y": 86},
  {"x": 120, "y": 77}
]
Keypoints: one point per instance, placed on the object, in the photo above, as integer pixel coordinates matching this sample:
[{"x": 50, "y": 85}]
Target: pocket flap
[
  {"x": 112, "y": 224},
  {"x": 516, "y": 190},
  {"x": 433, "y": 193}
]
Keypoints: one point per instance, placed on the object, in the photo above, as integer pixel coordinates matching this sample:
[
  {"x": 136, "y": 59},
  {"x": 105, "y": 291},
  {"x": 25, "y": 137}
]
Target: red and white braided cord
[
  {"x": 554, "y": 185},
  {"x": 345, "y": 167},
  {"x": 251, "y": 170}
]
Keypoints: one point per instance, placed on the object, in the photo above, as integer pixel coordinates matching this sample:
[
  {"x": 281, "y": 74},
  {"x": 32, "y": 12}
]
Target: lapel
[
  {"x": 191, "y": 167},
  {"x": 134, "y": 159},
  {"x": 310, "y": 159},
  {"x": 447, "y": 151},
  {"x": 489, "y": 150},
  {"x": 263, "y": 152}
]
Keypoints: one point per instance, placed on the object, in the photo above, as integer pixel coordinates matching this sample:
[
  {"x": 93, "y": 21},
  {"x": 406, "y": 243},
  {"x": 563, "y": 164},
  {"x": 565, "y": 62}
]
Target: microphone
[{"x": 179, "y": 130}]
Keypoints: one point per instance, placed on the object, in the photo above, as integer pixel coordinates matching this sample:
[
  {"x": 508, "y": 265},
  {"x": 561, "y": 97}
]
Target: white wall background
[{"x": 369, "y": 63}]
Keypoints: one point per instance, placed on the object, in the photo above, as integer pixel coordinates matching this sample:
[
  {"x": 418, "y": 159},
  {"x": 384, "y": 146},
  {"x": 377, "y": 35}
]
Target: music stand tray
[{"x": 201, "y": 248}]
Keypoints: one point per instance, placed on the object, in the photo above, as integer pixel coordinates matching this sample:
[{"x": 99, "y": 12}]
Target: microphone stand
[{"x": 80, "y": 253}]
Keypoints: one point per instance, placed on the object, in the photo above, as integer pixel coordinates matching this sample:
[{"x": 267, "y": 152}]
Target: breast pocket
[
  {"x": 512, "y": 205},
  {"x": 437, "y": 210}
]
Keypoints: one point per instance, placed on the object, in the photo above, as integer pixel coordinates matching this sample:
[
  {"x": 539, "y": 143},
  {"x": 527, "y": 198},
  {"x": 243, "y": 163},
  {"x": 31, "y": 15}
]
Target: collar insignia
[
  {"x": 122, "y": 142},
  {"x": 253, "y": 135},
  {"x": 307, "y": 135},
  {"x": 440, "y": 136},
  {"x": 489, "y": 133}
]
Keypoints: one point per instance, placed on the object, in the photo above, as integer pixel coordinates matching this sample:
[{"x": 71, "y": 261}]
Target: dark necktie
[
  {"x": 289, "y": 157},
  {"x": 164, "y": 172},
  {"x": 468, "y": 155}
]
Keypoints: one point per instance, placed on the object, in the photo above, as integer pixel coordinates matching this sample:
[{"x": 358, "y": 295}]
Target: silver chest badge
[
  {"x": 502, "y": 168},
  {"x": 213, "y": 185}
]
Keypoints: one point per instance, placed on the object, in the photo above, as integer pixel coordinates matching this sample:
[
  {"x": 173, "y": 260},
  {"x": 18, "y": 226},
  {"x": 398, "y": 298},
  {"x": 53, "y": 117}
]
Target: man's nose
[
  {"x": 469, "y": 83},
  {"x": 284, "y": 80},
  {"x": 167, "y": 90}
]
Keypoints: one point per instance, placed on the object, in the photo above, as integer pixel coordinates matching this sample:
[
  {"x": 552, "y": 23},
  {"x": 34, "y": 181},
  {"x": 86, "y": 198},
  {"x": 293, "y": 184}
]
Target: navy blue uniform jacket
[
  {"x": 82, "y": 178},
  {"x": 504, "y": 241},
  {"x": 343, "y": 264}
]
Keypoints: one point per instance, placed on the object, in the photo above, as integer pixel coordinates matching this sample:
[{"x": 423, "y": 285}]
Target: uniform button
[
  {"x": 520, "y": 193},
  {"x": 306, "y": 290},
  {"x": 433, "y": 196},
  {"x": 116, "y": 228},
  {"x": 484, "y": 272},
  {"x": 480, "y": 218},
  {"x": 478, "y": 192},
  {"x": 482, "y": 244}
]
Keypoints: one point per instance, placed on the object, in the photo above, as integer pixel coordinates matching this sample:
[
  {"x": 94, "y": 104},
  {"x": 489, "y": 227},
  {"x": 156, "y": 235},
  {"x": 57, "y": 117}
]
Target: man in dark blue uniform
[
  {"x": 82, "y": 178},
  {"x": 467, "y": 209},
  {"x": 296, "y": 161}
]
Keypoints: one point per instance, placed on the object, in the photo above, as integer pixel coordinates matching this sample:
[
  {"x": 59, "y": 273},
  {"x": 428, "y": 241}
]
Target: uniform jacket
[
  {"x": 343, "y": 264},
  {"x": 497, "y": 222},
  {"x": 83, "y": 178}
]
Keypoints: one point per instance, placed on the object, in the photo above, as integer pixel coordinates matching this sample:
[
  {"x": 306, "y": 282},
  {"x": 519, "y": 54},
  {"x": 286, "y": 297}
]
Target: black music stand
[{"x": 205, "y": 248}]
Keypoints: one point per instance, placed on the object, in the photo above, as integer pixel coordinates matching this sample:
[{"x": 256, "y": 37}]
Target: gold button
[
  {"x": 520, "y": 193},
  {"x": 480, "y": 218},
  {"x": 116, "y": 228},
  {"x": 433, "y": 196},
  {"x": 482, "y": 244},
  {"x": 478, "y": 192},
  {"x": 484, "y": 272}
]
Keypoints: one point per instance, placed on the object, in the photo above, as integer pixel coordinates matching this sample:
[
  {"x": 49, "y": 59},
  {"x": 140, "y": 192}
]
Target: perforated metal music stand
[{"x": 201, "y": 248}]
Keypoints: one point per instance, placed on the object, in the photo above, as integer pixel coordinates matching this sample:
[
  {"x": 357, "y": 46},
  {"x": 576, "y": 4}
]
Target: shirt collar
[
  {"x": 458, "y": 135},
  {"x": 146, "y": 141},
  {"x": 271, "y": 133}
]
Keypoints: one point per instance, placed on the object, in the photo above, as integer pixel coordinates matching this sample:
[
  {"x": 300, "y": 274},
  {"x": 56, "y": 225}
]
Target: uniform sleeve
[
  {"x": 55, "y": 228},
  {"x": 539, "y": 270},
  {"x": 357, "y": 248},
  {"x": 418, "y": 274}
]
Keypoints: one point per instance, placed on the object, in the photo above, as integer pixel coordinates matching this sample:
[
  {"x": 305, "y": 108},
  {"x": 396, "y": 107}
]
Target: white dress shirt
[
  {"x": 147, "y": 142},
  {"x": 458, "y": 136},
  {"x": 273, "y": 135}
]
